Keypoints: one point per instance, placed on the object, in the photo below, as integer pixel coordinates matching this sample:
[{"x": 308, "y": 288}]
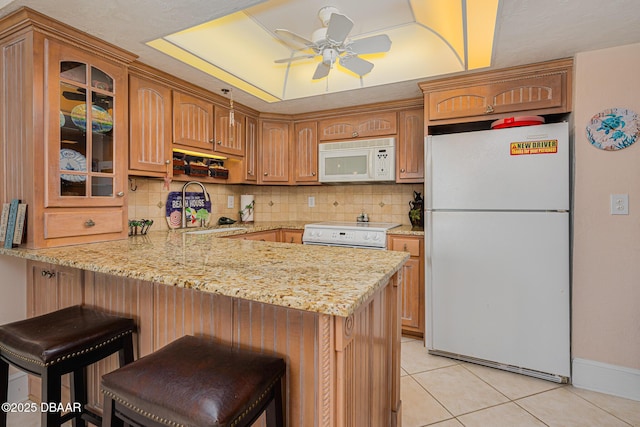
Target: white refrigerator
[{"x": 497, "y": 248}]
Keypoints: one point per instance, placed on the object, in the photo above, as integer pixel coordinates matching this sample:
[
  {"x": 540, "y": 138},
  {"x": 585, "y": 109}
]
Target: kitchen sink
[{"x": 214, "y": 230}]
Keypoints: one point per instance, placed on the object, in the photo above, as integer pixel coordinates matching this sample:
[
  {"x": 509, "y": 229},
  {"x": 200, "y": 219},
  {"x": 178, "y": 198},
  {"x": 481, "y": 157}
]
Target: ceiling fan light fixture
[{"x": 329, "y": 56}]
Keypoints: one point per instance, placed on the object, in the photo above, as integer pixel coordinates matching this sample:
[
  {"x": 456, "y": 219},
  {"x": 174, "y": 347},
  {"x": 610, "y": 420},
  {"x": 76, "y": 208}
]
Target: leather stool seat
[
  {"x": 195, "y": 381},
  {"x": 61, "y": 342}
]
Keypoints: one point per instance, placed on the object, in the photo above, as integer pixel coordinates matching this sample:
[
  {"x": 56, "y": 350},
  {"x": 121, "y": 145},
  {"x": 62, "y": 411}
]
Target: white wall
[{"x": 606, "y": 264}]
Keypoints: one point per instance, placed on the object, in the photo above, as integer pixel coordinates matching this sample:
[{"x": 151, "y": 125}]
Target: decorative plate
[
  {"x": 62, "y": 119},
  {"x": 101, "y": 120},
  {"x": 71, "y": 160},
  {"x": 613, "y": 129}
]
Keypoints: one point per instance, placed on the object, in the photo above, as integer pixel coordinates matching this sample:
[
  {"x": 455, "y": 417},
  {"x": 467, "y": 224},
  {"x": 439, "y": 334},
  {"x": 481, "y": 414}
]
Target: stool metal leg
[{"x": 4, "y": 390}]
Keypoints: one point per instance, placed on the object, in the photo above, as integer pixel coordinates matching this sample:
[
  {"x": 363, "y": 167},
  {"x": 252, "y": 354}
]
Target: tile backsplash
[{"x": 382, "y": 202}]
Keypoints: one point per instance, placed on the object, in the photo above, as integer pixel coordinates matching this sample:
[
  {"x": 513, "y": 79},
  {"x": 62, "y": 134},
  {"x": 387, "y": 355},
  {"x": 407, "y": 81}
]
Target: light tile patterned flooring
[{"x": 442, "y": 392}]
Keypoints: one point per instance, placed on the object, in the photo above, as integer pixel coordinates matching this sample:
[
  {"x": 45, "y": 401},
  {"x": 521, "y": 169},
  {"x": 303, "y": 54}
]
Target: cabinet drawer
[
  {"x": 406, "y": 245},
  {"x": 82, "y": 222}
]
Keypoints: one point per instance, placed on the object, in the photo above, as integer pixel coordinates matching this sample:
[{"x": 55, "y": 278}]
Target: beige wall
[
  {"x": 381, "y": 202},
  {"x": 606, "y": 263}
]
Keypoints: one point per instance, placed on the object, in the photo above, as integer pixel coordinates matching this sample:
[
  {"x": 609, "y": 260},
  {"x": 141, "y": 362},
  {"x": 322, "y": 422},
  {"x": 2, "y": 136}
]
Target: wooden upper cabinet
[
  {"x": 274, "y": 147},
  {"x": 192, "y": 122},
  {"x": 251, "y": 150},
  {"x": 543, "y": 88},
  {"x": 228, "y": 139},
  {"x": 305, "y": 149},
  {"x": 358, "y": 126},
  {"x": 149, "y": 127},
  {"x": 410, "y": 146}
]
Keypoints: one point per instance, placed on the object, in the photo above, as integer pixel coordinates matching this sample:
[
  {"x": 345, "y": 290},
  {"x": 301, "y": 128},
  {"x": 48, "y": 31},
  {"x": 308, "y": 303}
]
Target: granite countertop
[{"x": 328, "y": 280}]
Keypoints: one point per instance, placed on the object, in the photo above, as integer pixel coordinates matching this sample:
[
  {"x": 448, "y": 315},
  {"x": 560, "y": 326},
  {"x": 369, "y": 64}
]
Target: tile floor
[{"x": 442, "y": 392}]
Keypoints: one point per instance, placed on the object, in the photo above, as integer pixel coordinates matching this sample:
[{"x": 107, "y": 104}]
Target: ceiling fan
[{"x": 331, "y": 42}]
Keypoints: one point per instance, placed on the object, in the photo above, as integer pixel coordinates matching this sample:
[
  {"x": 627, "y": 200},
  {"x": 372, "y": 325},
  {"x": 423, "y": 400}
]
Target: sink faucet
[{"x": 184, "y": 203}]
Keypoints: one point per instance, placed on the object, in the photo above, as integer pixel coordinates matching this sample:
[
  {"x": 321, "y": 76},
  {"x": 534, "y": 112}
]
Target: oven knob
[
  {"x": 376, "y": 237},
  {"x": 366, "y": 237}
]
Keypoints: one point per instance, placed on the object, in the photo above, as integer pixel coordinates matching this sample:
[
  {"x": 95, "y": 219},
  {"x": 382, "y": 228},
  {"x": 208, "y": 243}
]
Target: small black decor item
[{"x": 416, "y": 213}]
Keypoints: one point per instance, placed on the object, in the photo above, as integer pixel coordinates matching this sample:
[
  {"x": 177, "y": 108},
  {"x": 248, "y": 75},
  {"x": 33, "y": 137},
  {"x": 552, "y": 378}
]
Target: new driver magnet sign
[{"x": 548, "y": 146}]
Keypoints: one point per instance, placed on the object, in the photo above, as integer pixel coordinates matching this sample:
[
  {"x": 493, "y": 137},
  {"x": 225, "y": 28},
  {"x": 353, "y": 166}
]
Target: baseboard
[
  {"x": 18, "y": 387},
  {"x": 604, "y": 378}
]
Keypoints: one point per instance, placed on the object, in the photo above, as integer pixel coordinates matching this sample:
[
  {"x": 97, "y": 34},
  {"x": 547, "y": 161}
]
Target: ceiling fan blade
[
  {"x": 321, "y": 71},
  {"x": 294, "y": 58},
  {"x": 293, "y": 40},
  {"x": 357, "y": 65},
  {"x": 374, "y": 44},
  {"x": 339, "y": 28}
]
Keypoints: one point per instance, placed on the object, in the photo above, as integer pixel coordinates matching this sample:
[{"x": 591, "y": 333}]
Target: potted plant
[{"x": 416, "y": 215}]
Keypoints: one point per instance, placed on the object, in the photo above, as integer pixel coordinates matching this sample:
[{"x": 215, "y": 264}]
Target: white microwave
[{"x": 358, "y": 161}]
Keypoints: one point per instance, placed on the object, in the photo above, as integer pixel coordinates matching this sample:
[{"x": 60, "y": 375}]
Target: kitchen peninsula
[{"x": 332, "y": 313}]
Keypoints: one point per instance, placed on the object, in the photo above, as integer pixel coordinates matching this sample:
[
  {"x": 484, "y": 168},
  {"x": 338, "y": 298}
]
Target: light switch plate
[
  {"x": 230, "y": 202},
  {"x": 619, "y": 204},
  {"x": 312, "y": 201}
]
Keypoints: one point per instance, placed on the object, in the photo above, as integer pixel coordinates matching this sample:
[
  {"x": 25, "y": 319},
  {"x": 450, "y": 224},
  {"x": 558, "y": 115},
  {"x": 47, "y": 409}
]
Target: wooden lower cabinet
[
  {"x": 292, "y": 236},
  {"x": 264, "y": 236},
  {"x": 413, "y": 285},
  {"x": 340, "y": 371}
]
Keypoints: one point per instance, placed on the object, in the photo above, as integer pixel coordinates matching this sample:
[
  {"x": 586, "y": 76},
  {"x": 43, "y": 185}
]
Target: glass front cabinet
[{"x": 86, "y": 144}]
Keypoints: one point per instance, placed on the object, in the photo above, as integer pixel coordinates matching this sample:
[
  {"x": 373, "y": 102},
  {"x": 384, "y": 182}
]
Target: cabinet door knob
[
  {"x": 120, "y": 194},
  {"x": 313, "y": 174},
  {"x": 47, "y": 273},
  {"x": 489, "y": 109},
  {"x": 166, "y": 162},
  {"x": 405, "y": 247},
  {"x": 89, "y": 223},
  {"x": 354, "y": 134},
  {"x": 212, "y": 141},
  {"x": 265, "y": 174},
  {"x": 250, "y": 172},
  {"x": 402, "y": 170}
]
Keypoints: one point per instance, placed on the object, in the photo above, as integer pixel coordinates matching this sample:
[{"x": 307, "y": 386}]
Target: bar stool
[
  {"x": 194, "y": 381},
  {"x": 61, "y": 342}
]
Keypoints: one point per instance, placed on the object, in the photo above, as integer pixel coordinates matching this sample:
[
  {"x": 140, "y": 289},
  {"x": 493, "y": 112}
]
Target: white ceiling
[{"x": 527, "y": 31}]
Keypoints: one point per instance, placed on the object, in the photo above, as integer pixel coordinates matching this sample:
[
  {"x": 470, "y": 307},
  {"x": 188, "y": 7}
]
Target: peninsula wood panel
[
  {"x": 123, "y": 297},
  {"x": 341, "y": 372},
  {"x": 49, "y": 288}
]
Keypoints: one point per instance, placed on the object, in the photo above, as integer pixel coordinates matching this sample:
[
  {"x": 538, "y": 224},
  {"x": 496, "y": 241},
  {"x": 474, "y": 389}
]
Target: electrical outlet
[
  {"x": 619, "y": 204},
  {"x": 230, "y": 201},
  {"x": 312, "y": 201}
]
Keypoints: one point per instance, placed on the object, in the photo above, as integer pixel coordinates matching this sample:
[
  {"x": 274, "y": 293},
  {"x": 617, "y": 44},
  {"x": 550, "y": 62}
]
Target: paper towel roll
[{"x": 247, "y": 213}]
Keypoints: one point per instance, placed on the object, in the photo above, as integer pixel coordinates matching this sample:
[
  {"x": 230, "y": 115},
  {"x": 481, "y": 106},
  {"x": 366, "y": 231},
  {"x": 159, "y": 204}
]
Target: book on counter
[{"x": 12, "y": 223}]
